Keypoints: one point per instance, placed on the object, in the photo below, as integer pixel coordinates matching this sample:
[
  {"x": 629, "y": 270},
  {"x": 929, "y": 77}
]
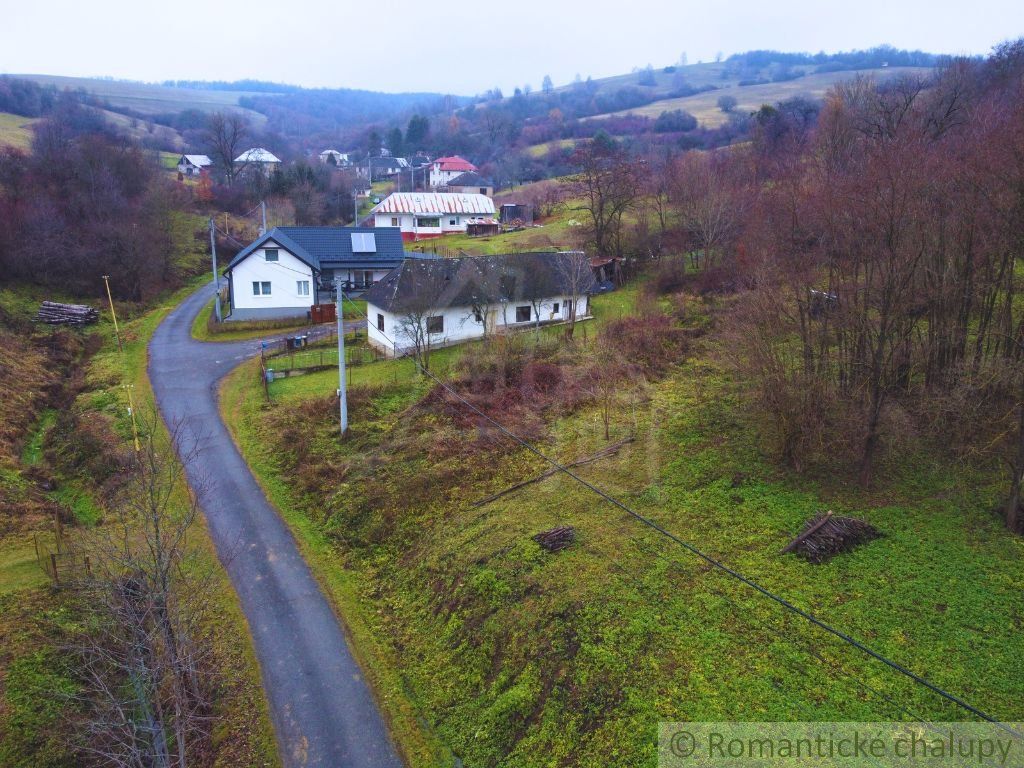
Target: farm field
[
  {"x": 512, "y": 655},
  {"x": 704, "y": 106},
  {"x": 150, "y": 98},
  {"x": 15, "y": 130}
]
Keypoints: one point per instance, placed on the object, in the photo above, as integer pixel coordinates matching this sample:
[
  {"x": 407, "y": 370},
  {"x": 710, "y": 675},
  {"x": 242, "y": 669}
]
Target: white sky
[{"x": 458, "y": 46}]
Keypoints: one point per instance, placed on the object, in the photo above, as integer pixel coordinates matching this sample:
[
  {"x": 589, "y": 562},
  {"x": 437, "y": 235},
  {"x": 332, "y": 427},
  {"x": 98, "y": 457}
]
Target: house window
[
  {"x": 523, "y": 314},
  {"x": 380, "y": 322},
  {"x": 435, "y": 324},
  {"x": 554, "y": 308},
  {"x": 483, "y": 190},
  {"x": 303, "y": 287},
  {"x": 271, "y": 254},
  {"x": 429, "y": 222},
  {"x": 452, "y": 222},
  {"x": 260, "y": 288},
  {"x": 394, "y": 221},
  {"x": 568, "y": 307},
  {"x": 478, "y": 316}
]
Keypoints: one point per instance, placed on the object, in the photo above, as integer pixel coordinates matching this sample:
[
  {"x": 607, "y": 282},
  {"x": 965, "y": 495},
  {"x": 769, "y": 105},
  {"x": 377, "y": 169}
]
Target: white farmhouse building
[
  {"x": 421, "y": 215},
  {"x": 284, "y": 272},
  {"x": 259, "y": 158},
  {"x": 193, "y": 165},
  {"x": 438, "y": 302},
  {"x": 444, "y": 169}
]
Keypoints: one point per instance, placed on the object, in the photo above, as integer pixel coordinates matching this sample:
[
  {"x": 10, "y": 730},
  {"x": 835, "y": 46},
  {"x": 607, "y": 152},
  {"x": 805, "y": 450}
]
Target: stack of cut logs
[
  {"x": 557, "y": 538},
  {"x": 66, "y": 314}
]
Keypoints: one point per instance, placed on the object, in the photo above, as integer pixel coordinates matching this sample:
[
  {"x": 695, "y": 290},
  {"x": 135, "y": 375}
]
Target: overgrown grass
[{"x": 519, "y": 657}]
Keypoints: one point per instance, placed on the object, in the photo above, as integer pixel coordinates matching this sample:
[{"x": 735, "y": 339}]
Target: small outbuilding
[{"x": 193, "y": 165}]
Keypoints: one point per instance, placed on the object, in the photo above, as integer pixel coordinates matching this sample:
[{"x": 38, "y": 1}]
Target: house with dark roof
[
  {"x": 471, "y": 183},
  {"x": 285, "y": 271},
  {"x": 440, "y": 302}
]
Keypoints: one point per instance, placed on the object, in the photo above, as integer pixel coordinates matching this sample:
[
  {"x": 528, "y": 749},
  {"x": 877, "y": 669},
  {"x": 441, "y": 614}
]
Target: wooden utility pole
[
  {"x": 263, "y": 210},
  {"x": 342, "y": 394},
  {"x": 216, "y": 277},
  {"x": 113, "y": 314}
]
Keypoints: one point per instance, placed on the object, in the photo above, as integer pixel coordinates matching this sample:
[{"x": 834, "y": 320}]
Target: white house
[
  {"x": 285, "y": 271},
  {"x": 444, "y": 169},
  {"x": 193, "y": 165},
  {"x": 445, "y": 301},
  {"x": 421, "y": 215},
  {"x": 260, "y": 158},
  {"x": 339, "y": 158}
]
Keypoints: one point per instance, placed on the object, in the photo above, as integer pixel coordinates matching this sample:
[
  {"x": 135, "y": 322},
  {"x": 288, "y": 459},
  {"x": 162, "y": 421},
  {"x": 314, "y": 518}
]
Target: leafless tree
[
  {"x": 576, "y": 276},
  {"x": 607, "y": 185},
  {"x": 226, "y": 135},
  {"x": 144, "y": 658}
]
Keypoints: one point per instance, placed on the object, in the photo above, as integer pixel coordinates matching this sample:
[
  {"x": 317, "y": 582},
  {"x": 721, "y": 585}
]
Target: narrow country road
[{"x": 321, "y": 706}]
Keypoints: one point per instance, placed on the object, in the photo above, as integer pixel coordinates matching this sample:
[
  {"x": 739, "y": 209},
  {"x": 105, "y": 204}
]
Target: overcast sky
[{"x": 458, "y": 46}]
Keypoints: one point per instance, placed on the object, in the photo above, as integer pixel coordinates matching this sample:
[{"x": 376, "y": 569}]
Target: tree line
[{"x": 873, "y": 248}]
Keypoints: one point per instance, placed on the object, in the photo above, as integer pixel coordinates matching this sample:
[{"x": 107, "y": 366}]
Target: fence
[
  {"x": 318, "y": 358},
  {"x": 61, "y": 563}
]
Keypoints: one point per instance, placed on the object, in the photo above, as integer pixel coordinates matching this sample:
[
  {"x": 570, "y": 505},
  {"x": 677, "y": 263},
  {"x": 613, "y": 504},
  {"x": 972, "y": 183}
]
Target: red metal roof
[
  {"x": 454, "y": 163},
  {"x": 435, "y": 202}
]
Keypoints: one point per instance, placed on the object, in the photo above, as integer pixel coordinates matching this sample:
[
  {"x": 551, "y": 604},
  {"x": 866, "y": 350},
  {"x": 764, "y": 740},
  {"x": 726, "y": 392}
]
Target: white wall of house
[
  {"x": 413, "y": 224},
  {"x": 459, "y": 324},
  {"x": 285, "y": 298},
  {"x": 439, "y": 178}
]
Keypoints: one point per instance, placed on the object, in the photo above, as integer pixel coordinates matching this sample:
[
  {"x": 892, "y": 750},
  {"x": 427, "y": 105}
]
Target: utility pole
[
  {"x": 263, "y": 209},
  {"x": 216, "y": 278},
  {"x": 117, "y": 332},
  {"x": 342, "y": 394}
]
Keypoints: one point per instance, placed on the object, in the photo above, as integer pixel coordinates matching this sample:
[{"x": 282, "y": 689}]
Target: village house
[
  {"x": 381, "y": 168},
  {"x": 259, "y": 158},
  {"x": 440, "y": 302},
  {"x": 444, "y": 169},
  {"x": 471, "y": 182},
  {"x": 284, "y": 272},
  {"x": 421, "y": 215},
  {"x": 334, "y": 157},
  {"x": 193, "y": 165}
]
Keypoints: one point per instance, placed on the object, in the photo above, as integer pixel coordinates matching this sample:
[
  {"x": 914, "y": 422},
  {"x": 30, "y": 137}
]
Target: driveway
[{"x": 321, "y": 706}]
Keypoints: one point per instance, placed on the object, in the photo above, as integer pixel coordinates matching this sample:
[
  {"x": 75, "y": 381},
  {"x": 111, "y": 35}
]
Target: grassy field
[
  {"x": 15, "y": 130},
  {"x": 540, "y": 150},
  {"x": 512, "y": 656},
  {"x": 704, "y": 106},
  {"x": 150, "y": 98}
]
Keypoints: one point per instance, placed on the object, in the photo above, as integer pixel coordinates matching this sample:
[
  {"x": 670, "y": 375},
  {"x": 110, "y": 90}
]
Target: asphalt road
[{"x": 321, "y": 706}]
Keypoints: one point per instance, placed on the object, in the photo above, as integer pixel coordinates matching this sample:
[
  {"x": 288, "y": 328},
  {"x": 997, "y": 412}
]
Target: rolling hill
[
  {"x": 15, "y": 130},
  {"x": 704, "y": 106},
  {"x": 152, "y": 99}
]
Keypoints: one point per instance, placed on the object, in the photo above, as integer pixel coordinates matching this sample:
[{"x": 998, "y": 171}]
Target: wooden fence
[{"x": 60, "y": 562}]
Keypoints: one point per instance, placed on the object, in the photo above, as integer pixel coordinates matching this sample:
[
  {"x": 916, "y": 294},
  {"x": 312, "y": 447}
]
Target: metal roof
[
  {"x": 454, "y": 163},
  {"x": 435, "y": 202},
  {"x": 332, "y": 246},
  {"x": 257, "y": 155},
  {"x": 200, "y": 161}
]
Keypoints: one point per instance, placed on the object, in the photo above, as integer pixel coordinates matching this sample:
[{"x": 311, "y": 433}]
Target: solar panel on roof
[{"x": 364, "y": 242}]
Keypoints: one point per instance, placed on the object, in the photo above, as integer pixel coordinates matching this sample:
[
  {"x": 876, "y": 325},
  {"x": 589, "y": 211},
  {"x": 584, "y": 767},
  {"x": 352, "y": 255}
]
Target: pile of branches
[
  {"x": 55, "y": 313},
  {"x": 557, "y": 538},
  {"x": 826, "y": 535}
]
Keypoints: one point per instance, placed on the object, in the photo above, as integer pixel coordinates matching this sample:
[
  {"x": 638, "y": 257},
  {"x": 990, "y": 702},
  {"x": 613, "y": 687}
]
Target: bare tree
[
  {"x": 607, "y": 184},
  {"x": 144, "y": 660},
  {"x": 576, "y": 277},
  {"x": 226, "y": 135}
]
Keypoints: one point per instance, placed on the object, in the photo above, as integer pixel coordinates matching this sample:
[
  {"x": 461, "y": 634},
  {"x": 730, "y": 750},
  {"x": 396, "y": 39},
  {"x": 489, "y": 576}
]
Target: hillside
[
  {"x": 15, "y": 130},
  {"x": 151, "y": 99},
  {"x": 704, "y": 106}
]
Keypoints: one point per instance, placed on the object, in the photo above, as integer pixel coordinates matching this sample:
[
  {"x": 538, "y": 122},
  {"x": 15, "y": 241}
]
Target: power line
[{"x": 714, "y": 562}]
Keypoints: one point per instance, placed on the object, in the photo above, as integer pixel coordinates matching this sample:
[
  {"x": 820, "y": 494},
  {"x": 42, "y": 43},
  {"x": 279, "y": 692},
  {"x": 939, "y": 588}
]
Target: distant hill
[
  {"x": 15, "y": 130},
  {"x": 704, "y": 106}
]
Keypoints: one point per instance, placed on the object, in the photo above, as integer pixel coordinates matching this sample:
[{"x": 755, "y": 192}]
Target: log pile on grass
[
  {"x": 826, "y": 535},
  {"x": 55, "y": 313},
  {"x": 557, "y": 538}
]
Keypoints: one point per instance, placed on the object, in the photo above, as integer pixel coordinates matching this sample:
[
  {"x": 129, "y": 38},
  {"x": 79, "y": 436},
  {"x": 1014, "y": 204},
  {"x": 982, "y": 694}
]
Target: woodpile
[
  {"x": 557, "y": 538},
  {"x": 55, "y": 313},
  {"x": 826, "y": 535}
]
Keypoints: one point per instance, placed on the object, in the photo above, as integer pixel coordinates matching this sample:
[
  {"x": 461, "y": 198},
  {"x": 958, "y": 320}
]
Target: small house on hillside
[
  {"x": 259, "y": 158},
  {"x": 193, "y": 165},
  {"x": 444, "y": 169},
  {"x": 444, "y": 301},
  {"x": 334, "y": 157},
  {"x": 381, "y": 168},
  {"x": 421, "y": 215},
  {"x": 471, "y": 182},
  {"x": 287, "y": 270}
]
